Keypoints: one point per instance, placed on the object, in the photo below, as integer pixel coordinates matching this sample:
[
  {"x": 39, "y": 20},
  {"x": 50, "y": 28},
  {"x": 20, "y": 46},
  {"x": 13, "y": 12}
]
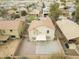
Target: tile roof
[
  {"x": 46, "y": 21},
  {"x": 69, "y": 28},
  {"x": 9, "y": 24}
]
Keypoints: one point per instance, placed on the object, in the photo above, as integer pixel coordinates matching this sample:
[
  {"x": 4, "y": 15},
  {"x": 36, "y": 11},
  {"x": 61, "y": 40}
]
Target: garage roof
[{"x": 69, "y": 28}]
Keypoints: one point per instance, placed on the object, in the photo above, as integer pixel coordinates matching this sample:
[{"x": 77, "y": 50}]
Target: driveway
[{"x": 38, "y": 48}]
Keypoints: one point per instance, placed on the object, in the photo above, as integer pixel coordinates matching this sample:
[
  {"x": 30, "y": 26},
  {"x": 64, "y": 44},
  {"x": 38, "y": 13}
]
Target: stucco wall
[
  {"x": 42, "y": 30},
  {"x": 13, "y": 32},
  {"x": 17, "y": 32}
]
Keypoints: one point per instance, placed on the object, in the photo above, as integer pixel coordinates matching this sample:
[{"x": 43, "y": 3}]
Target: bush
[
  {"x": 17, "y": 16},
  {"x": 30, "y": 18},
  {"x": 23, "y": 13},
  {"x": 7, "y": 57}
]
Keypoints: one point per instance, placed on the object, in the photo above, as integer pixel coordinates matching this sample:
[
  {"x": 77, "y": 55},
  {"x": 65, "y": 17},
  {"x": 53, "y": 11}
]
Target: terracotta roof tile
[
  {"x": 9, "y": 24},
  {"x": 46, "y": 21},
  {"x": 69, "y": 28}
]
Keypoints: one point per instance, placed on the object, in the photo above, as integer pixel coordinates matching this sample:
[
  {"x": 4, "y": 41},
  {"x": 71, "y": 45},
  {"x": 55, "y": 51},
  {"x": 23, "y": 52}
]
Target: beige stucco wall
[
  {"x": 42, "y": 30},
  {"x": 17, "y": 32},
  {"x": 14, "y": 32}
]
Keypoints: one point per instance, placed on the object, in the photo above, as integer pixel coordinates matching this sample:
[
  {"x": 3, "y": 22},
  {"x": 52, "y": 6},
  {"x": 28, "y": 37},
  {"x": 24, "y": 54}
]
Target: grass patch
[{"x": 30, "y": 18}]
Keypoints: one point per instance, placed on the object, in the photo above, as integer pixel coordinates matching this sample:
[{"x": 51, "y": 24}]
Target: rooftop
[
  {"x": 46, "y": 21},
  {"x": 69, "y": 28},
  {"x": 9, "y": 24}
]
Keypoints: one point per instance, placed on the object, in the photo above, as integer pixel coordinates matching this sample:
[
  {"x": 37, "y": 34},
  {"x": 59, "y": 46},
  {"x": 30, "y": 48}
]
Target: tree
[
  {"x": 3, "y": 12},
  {"x": 77, "y": 2},
  {"x": 23, "y": 13},
  {"x": 7, "y": 57},
  {"x": 75, "y": 14},
  {"x": 54, "y": 11}
]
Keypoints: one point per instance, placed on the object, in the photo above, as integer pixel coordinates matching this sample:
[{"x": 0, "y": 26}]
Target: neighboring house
[
  {"x": 68, "y": 33},
  {"x": 61, "y": 5},
  {"x": 34, "y": 12},
  {"x": 13, "y": 29},
  {"x": 22, "y": 19},
  {"x": 41, "y": 30},
  {"x": 11, "y": 12},
  {"x": 69, "y": 29},
  {"x": 68, "y": 2}
]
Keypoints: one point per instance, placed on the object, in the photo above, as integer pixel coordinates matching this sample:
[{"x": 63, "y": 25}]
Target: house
[
  {"x": 34, "y": 12},
  {"x": 40, "y": 30},
  {"x": 13, "y": 29},
  {"x": 11, "y": 12},
  {"x": 68, "y": 33},
  {"x": 69, "y": 28}
]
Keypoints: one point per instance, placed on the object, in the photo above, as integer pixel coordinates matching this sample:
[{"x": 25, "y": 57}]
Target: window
[
  {"x": 11, "y": 30},
  {"x": 13, "y": 37},
  {"x": 47, "y": 31},
  {"x": 23, "y": 13}
]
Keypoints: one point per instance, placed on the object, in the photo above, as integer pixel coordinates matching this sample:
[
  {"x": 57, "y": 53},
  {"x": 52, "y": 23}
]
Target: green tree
[
  {"x": 3, "y": 12},
  {"x": 75, "y": 14},
  {"x": 54, "y": 11},
  {"x": 77, "y": 2},
  {"x": 23, "y": 13}
]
